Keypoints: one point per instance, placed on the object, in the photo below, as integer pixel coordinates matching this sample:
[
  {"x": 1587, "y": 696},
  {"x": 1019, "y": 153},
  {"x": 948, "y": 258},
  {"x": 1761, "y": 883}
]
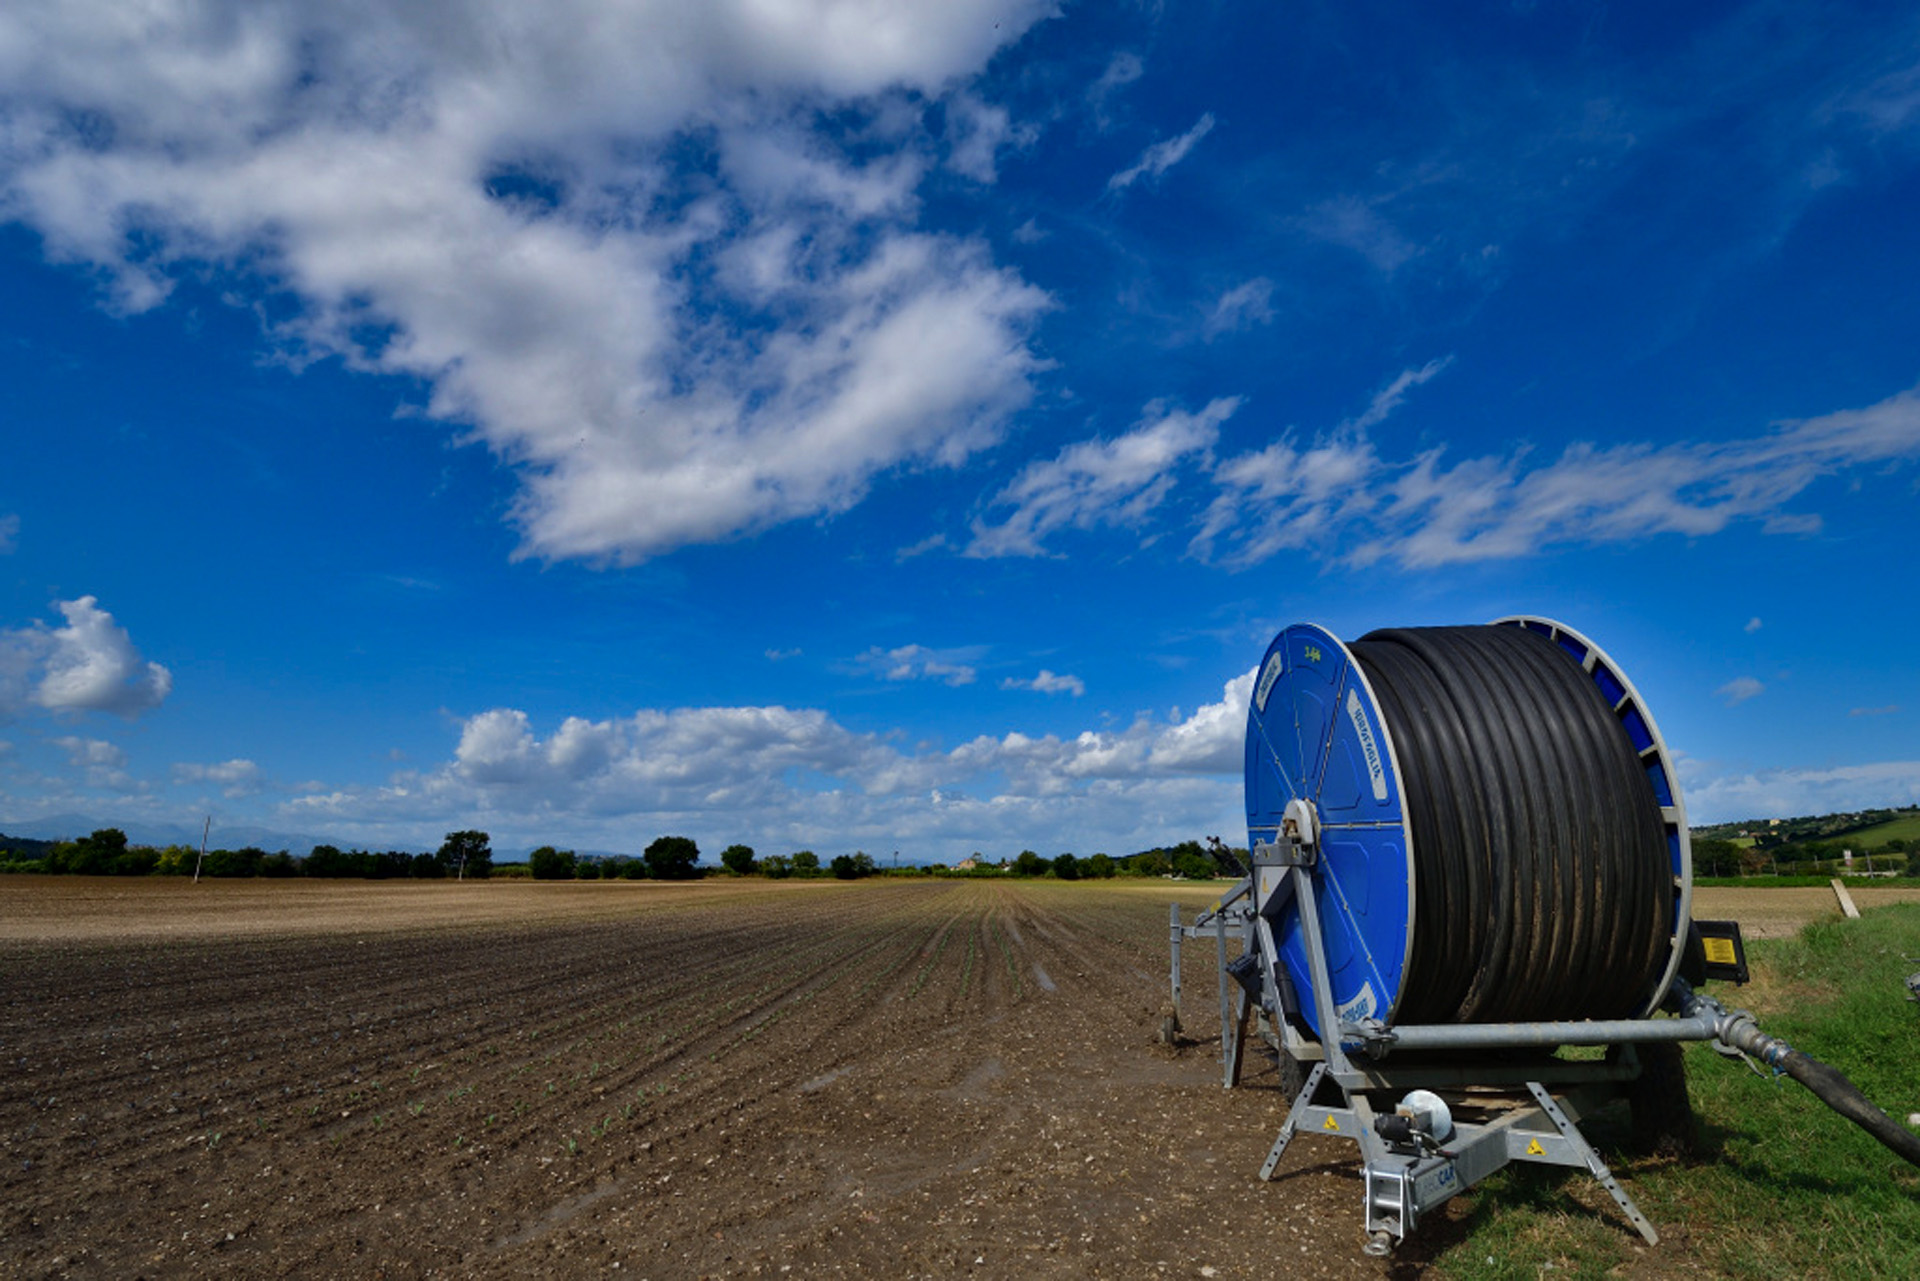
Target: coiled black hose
[{"x": 1542, "y": 882}]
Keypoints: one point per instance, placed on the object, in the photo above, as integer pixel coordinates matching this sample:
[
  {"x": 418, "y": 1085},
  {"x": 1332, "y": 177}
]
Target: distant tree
[
  {"x": 1029, "y": 863},
  {"x": 235, "y": 863},
  {"x": 806, "y": 863},
  {"x": 278, "y": 864},
  {"x": 550, "y": 864},
  {"x": 738, "y": 859},
  {"x": 673, "y": 858},
  {"x": 468, "y": 853},
  {"x": 1066, "y": 867},
  {"x": 390, "y": 865},
  {"x": 634, "y": 869},
  {"x": 1099, "y": 866},
  {"x": 93, "y": 856},
  {"x": 777, "y": 866},
  {"x": 1716, "y": 857},
  {"x": 1193, "y": 865},
  {"x": 852, "y": 866},
  {"x": 135, "y": 860},
  {"x": 428, "y": 867},
  {"x": 588, "y": 869}
]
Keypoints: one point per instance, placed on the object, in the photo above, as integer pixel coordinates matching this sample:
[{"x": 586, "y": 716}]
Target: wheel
[
  {"x": 1293, "y": 1074},
  {"x": 1663, "y": 1120}
]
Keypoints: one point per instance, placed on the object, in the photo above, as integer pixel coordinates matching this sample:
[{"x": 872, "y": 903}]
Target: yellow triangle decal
[
  {"x": 1330, "y": 1124},
  {"x": 1534, "y": 1148}
]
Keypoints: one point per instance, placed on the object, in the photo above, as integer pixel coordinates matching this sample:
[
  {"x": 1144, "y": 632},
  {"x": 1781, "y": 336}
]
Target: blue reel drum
[{"x": 1315, "y": 733}]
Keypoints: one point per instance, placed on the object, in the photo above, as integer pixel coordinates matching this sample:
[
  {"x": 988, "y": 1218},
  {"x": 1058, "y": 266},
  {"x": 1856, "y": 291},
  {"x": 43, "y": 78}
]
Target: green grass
[
  {"x": 1906, "y": 827},
  {"x": 1784, "y": 1187}
]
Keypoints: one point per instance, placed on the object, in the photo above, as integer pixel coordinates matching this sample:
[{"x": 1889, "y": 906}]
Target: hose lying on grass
[{"x": 1737, "y": 1030}]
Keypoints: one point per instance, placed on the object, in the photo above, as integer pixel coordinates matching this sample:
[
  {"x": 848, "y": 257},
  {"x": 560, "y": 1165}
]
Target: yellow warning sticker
[
  {"x": 1534, "y": 1148},
  {"x": 1330, "y": 1124},
  {"x": 1719, "y": 951}
]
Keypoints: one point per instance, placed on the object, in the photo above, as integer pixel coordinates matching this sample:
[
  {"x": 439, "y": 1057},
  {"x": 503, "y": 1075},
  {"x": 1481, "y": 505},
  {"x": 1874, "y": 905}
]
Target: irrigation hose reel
[{"x": 1469, "y": 849}]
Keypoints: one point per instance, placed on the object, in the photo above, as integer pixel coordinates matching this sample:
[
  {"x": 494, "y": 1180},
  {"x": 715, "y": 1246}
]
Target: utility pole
[{"x": 205, "y": 828}]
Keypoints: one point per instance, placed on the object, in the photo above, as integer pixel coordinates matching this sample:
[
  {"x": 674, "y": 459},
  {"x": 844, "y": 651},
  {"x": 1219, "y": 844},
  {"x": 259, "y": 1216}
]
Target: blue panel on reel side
[{"x": 1314, "y": 733}]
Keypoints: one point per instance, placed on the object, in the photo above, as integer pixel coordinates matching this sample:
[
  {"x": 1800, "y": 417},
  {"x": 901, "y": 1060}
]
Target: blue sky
[{"x": 856, "y": 425}]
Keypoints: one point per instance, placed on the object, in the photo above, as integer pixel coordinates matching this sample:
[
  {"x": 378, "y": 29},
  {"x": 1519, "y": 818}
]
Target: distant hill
[
  {"x": 1865, "y": 827},
  {"x": 68, "y": 827},
  {"x": 23, "y": 847}
]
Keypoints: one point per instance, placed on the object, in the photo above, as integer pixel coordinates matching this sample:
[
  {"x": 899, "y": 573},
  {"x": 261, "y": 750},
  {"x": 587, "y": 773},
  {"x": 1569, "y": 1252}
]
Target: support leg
[
  {"x": 1301, "y": 1102},
  {"x": 1595, "y": 1166}
]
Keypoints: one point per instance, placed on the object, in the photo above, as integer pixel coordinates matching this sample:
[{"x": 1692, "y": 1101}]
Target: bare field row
[{"x": 726, "y": 1078}]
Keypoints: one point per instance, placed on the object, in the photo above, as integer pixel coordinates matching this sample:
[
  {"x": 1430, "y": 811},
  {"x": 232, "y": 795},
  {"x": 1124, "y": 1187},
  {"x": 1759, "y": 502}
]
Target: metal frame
[{"x": 1406, "y": 1180}]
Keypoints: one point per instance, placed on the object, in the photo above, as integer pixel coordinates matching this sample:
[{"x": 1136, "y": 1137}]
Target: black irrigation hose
[{"x": 1542, "y": 883}]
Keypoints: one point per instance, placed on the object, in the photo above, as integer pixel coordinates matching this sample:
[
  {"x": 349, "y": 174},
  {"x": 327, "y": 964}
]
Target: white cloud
[
  {"x": 89, "y": 665},
  {"x": 1241, "y": 307},
  {"x": 1099, "y": 482},
  {"x": 103, "y": 763},
  {"x": 917, "y": 662},
  {"x": 774, "y": 774},
  {"x": 1778, "y": 793},
  {"x": 1122, "y": 70},
  {"x": 1739, "y": 690},
  {"x": 1390, "y": 397},
  {"x": 1753, "y": 625},
  {"x": 1162, "y": 155},
  {"x": 520, "y": 204},
  {"x": 976, "y": 131},
  {"x": 235, "y": 778},
  {"x": 1048, "y": 683},
  {"x": 1357, "y": 225},
  {"x": 9, "y": 534},
  {"x": 1341, "y": 498},
  {"x": 1887, "y": 709}
]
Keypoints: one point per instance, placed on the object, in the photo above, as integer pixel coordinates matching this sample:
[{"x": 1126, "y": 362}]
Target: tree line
[{"x": 468, "y": 854}]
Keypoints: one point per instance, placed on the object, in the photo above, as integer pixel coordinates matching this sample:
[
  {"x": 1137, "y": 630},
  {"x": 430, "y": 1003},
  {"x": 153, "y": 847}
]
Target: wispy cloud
[
  {"x": 9, "y": 534},
  {"x": 917, "y": 662},
  {"x": 1048, "y": 683},
  {"x": 103, "y": 764},
  {"x": 1245, "y": 305},
  {"x": 1739, "y": 690},
  {"x": 235, "y": 778},
  {"x": 1887, "y": 710},
  {"x": 1341, "y": 497},
  {"x": 1753, "y": 625},
  {"x": 1781, "y": 792},
  {"x": 1096, "y": 483},
  {"x": 1162, "y": 156}
]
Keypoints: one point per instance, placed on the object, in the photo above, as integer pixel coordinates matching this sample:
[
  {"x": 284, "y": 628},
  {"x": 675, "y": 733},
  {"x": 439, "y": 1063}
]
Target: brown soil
[
  {"x": 1779, "y": 913},
  {"x": 728, "y": 1079}
]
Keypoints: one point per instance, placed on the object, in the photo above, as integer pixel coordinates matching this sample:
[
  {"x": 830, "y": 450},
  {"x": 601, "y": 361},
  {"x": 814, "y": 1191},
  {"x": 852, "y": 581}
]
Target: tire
[
  {"x": 1663, "y": 1120},
  {"x": 1293, "y": 1074}
]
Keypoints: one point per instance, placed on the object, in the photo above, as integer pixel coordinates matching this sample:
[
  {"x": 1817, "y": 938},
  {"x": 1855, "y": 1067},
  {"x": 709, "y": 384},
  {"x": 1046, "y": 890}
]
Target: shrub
[
  {"x": 550, "y": 864},
  {"x": 738, "y": 859}
]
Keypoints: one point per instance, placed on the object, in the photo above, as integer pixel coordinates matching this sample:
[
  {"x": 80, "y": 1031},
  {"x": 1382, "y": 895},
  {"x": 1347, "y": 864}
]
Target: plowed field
[{"x": 731, "y": 1078}]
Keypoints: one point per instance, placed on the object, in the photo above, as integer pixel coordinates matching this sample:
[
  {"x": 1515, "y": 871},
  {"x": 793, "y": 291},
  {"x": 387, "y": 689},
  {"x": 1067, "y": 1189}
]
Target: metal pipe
[{"x": 1461, "y": 1036}]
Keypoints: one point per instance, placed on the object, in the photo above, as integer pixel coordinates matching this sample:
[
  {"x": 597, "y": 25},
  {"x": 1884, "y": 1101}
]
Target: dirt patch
[
  {"x": 730, "y": 1079},
  {"x": 1779, "y": 913}
]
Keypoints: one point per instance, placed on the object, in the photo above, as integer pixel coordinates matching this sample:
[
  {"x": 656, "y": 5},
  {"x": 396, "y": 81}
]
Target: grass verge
[{"x": 1783, "y": 1187}]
